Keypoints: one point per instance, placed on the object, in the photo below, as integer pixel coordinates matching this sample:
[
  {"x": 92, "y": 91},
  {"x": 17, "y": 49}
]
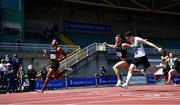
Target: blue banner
[
  {"x": 86, "y": 27},
  {"x": 177, "y": 79},
  {"x": 104, "y": 81},
  {"x": 76, "y": 82},
  {"x": 150, "y": 79},
  {"x": 51, "y": 84},
  {"x": 81, "y": 82}
]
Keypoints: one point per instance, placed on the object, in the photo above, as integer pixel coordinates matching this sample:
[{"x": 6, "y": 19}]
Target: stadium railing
[
  {"x": 29, "y": 47},
  {"x": 79, "y": 55},
  {"x": 76, "y": 57},
  {"x": 151, "y": 51}
]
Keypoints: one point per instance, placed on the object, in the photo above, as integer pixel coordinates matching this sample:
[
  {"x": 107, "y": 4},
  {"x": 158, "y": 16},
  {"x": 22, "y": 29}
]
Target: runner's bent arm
[
  {"x": 63, "y": 53},
  {"x": 126, "y": 46}
]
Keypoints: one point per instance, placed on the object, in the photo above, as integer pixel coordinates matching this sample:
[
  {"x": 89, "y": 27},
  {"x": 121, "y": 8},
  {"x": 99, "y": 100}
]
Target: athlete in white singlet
[
  {"x": 139, "y": 55},
  {"x": 174, "y": 64},
  {"x": 121, "y": 50}
]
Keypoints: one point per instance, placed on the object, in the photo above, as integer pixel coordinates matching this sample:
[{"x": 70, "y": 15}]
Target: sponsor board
[
  {"x": 75, "y": 82},
  {"x": 113, "y": 80},
  {"x": 103, "y": 81},
  {"x": 137, "y": 80},
  {"x": 177, "y": 79},
  {"x": 72, "y": 82},
  {"x": 150, "y": 79},
  {"x": 86, "y": 26},
  {"x": 51, "y": 84}
]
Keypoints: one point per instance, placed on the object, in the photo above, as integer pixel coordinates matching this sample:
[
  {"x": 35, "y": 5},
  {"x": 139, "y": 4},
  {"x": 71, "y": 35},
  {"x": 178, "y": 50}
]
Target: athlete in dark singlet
[
  {"x": 56, "y": 55},
  {"x": 166, "y": 69},
  {"x": 121, "y": 50},
  {"x": 164, "y": 64}
]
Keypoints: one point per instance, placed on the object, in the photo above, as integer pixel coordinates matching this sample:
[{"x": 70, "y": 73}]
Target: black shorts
[
  {"x": 177, "y": 66},
  {"x": 141, "y": 60},
  {"x": 166, "y": 70},
  {"x": 129, "y": 61},
  {"x": 126, "y": 60},
  {"x": 54, "y": 65}
]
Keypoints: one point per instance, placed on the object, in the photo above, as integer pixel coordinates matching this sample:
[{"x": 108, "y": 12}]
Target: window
[
  {"x": 11, "y": 28},
  {"x": 12, "y": 4}
]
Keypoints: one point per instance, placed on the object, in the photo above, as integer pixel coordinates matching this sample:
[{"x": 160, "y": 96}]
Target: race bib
[
  {"x": 119, "y": 54},
  {"x": 53, "y": 56},
  {"x": 135, "y": 51}
]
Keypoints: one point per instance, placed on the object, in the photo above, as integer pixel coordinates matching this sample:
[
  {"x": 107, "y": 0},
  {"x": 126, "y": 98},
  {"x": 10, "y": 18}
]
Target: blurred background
[{"x": 28, "y": 26}]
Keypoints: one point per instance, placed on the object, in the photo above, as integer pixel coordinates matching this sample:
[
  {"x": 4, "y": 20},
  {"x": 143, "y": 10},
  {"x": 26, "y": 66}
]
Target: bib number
[
  {"x": 135, "y": 51},
  {"x": 119, "y": 54},
  {"x": 53, "y": 56}
]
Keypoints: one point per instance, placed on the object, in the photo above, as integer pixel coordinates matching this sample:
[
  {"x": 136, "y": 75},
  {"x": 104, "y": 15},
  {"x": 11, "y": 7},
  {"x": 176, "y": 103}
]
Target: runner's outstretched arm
[{"x": 150, "y": 44}]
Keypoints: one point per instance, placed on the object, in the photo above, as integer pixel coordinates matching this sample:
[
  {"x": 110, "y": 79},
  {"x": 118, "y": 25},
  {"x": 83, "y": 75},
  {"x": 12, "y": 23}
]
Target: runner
[
  {"x": 166, "y": 69},
  {"x": 121, "y": 50},
  {"x": 56, "y": 55},
  {"x": 174, "y": 64},
  {"x": 139, "y": 55}
]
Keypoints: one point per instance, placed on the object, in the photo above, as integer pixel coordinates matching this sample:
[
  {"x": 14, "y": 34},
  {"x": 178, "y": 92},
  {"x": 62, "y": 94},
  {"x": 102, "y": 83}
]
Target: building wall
[
  {"x": 12, "y": 12},
  {"x": 152, "y": 25},
  {"x": 90, "y": 65}
]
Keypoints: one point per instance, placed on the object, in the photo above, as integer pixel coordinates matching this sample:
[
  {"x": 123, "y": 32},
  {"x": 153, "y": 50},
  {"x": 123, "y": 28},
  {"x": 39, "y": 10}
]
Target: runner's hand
[
  {"x": 45, "y": 52},
  {"x": 105, "y": 43},
  {"x": 160, "y": 49}
]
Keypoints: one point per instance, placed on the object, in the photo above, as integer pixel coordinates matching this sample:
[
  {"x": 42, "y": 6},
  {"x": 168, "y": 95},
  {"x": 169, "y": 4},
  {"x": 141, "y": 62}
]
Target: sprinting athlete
[
  {"x": 56, "y": 55},
  {"x": 139, "y": 55},
  {"x": 121, "y": 50},
  {"x": 164, "y": 64},
  {"x": 166, "y": 69},
  {"x": 174, "y": 64}
]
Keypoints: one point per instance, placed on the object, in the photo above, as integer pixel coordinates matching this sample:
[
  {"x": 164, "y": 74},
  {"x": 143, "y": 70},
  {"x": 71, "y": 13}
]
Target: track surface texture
[{"x": 134, "y": 95}]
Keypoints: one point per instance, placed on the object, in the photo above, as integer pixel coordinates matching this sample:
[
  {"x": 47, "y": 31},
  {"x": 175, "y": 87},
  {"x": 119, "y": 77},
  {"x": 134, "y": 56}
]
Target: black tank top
[{"x": 121, "y": 53}]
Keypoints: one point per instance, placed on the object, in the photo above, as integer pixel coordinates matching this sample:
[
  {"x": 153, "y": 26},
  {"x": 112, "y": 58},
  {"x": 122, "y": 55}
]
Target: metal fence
[
  {"x": 74, "y": 58},
  {"x": 71, "y": 60},
  {"x": 29, "y": 47},
  {"x": 151, "y": 51}
]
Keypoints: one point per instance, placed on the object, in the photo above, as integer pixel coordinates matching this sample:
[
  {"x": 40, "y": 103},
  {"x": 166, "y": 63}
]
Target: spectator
[
  {"x": 15, "y": 64},
  {"x": 16, "y": 67},
  {"x": 18, "y": 40},
  {"x": 20, "y": 78},
  {"x": 25, "y": 84},
  {"x": 44, "y": 73},
  {"x": 103, "y": 73},
  {"x": 9, "y": 75},
  {"x": 2, "y": 70},
  {"x": 7, "y": 59},
  {"x": 32, "y": 76}
]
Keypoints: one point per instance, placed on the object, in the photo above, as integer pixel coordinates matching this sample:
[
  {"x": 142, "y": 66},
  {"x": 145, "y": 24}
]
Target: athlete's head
[
  {"x": 129, "y": 36},
  {"x": 54, "y": 42},
  {"x": 171, "y": 55},
  {"x": 118, "y": 39}
]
